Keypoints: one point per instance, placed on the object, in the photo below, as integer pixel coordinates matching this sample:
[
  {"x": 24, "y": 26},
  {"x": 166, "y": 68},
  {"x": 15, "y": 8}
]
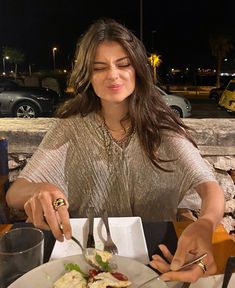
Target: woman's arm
[
  {"x": 37, "y": 201},
  {"x": 196, "y": 239},
  {"x": 20, "y": 191},
  {"x": 213, "y": 202}
]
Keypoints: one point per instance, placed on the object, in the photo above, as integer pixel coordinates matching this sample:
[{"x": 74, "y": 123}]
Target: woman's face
[{"x": 113, "y": 76}]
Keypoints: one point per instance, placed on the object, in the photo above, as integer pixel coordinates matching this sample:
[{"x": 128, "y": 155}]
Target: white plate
[
  {"x": 127, "y": 233},
  {"x": 207, "y": 282},
  {"x": 45, "y": 275},
  {"x": 213, "y": 282}
]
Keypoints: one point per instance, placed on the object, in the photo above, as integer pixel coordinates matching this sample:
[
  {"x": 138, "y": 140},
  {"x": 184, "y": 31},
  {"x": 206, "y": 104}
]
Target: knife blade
[{"x": 90, "y": 238}]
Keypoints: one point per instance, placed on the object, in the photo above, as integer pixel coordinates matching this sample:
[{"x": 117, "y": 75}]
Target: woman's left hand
[{"x": 195, "y": 240}]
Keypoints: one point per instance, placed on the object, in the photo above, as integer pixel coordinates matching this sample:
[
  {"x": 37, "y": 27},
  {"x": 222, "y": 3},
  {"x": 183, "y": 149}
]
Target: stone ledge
[{"x": 213, "y": 136}]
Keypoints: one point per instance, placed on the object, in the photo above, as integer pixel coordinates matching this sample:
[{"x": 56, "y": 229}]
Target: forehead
[{"x": 109, "y": 50}]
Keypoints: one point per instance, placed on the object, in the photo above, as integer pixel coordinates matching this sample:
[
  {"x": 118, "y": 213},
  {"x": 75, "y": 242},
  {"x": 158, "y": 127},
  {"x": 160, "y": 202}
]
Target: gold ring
[
  {"x": 202, "y": 266},
  {"x": 58, "y": 203}
]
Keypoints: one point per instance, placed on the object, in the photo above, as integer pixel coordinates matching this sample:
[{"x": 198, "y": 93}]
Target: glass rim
[{"x": 26, "y": 250}]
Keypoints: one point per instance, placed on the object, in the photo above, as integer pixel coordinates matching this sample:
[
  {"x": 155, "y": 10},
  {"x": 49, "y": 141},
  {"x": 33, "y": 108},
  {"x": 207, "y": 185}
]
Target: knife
[
  {"x": 229, "y": 268},
  {"x": 90, "y": 239},
  {"x": 185, "y": 284}
]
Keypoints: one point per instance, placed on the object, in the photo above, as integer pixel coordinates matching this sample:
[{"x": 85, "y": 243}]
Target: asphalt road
[{"x": 206, "y": 108}]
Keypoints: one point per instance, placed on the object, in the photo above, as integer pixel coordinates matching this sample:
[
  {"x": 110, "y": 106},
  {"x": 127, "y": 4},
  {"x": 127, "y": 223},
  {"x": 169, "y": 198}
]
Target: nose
[{"x": 113, "y": 73}]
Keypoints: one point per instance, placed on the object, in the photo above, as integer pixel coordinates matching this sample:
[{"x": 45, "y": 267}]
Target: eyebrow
[{"x": 118, "y": 60}]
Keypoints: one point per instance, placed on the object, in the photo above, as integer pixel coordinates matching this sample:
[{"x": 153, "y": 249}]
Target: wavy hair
[{"x": 148, "y": 112}]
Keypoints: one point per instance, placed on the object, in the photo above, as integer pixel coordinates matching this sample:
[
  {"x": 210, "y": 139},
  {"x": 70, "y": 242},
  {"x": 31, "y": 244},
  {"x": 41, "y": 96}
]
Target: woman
[{"x": 117, "y": 145}]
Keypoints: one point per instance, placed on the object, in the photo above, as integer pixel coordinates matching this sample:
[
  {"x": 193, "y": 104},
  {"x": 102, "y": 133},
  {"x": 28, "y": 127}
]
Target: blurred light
[{"x": 54, "y": 49}]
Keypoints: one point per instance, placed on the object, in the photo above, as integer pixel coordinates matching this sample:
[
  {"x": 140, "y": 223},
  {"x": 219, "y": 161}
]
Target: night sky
[{"x": 182, "y": 27}]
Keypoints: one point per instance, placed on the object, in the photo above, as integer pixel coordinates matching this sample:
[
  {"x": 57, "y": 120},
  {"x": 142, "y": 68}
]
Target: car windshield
[{"x": 231, "y": 86}]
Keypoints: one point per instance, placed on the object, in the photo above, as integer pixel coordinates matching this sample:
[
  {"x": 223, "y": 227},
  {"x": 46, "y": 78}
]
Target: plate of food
[{"x": 74, "y": 271}]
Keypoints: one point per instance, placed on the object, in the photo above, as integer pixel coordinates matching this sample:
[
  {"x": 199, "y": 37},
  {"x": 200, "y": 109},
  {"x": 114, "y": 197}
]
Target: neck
[{"x": 112, "y": 116}]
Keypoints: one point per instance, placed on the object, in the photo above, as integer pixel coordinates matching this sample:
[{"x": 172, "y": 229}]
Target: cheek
[
  {"x": 95, "y": 83},
  {"x": 132, "y": 79}
]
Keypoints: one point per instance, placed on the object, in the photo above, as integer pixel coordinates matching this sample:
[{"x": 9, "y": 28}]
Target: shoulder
[
  {"x": 66, "y": 123},
  {"x": 175, "y": 141}
]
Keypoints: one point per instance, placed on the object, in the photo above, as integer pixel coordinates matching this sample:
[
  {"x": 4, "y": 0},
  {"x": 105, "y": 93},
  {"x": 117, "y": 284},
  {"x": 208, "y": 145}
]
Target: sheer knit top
[{"x": 82, "y": 159}]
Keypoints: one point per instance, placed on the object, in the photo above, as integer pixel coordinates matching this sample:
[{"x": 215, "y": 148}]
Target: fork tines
[{"x": 109, "y": 245}]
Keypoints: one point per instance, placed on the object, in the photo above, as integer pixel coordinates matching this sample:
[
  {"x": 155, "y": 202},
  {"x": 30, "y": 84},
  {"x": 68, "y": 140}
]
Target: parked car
[
  {"x": 180, "y": 105},
  {"x": 227, "y": 99},
  {"x": 216, "y": 93},
  {"x": 26, "y": 102}
]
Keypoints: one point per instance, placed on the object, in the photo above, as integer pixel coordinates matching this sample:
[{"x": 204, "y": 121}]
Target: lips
[{"x": 115, "y": 87}]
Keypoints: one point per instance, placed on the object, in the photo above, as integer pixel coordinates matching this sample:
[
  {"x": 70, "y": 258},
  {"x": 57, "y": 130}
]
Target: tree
[
  {"x": 220, "y": 46},
  {"x": 15, "y": 56},
  {"x": 155, "y": 61}
]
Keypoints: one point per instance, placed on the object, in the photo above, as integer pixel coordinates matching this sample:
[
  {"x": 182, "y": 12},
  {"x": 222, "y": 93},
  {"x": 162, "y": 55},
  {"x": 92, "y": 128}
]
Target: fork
[{"x": 109, "y": 245}]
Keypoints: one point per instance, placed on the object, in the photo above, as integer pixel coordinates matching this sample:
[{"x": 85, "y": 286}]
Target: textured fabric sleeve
[
  {"x": 192, "y": 169},
  {"x": 48, "y": 163}
]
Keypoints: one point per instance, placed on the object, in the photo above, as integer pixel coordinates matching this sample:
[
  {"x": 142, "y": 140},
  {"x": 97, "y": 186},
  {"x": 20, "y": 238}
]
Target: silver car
[
  {"x": 180, "y": 105},
  {"x": 26, "y": 102}
]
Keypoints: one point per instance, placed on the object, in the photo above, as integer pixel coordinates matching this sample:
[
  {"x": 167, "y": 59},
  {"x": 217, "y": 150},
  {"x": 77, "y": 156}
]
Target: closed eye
[
  {"x": 124, "y": 65},
  {"x": 99, "y": 68}
]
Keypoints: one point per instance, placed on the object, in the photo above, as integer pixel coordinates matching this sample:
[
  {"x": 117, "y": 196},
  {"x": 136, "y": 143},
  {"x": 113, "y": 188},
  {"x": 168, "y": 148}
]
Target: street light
[
  {"x": 53, "y": 54},
  {"x": 4, "y": 64}
]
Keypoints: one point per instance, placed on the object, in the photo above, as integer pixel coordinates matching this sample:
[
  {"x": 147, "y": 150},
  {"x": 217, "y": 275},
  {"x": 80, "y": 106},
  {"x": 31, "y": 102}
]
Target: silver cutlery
[
  {"x": 193, "y": 261},
  {"x": 89, "y": 253},
  {"x": 90, "y": 239},
  {"x": 229, "y": 268},
  {"x": 185, "y": 284},
  {"x": 109, "y": 245}
]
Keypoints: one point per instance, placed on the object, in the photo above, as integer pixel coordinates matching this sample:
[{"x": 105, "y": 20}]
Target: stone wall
[{"x": 215, "y": 139}]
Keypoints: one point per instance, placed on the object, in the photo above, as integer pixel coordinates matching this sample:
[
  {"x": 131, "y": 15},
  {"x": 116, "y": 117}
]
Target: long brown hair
[{"x": 148, "y": 112}]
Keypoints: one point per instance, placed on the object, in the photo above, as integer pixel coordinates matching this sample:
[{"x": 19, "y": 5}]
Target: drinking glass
[{"x": 21, "y": 250}]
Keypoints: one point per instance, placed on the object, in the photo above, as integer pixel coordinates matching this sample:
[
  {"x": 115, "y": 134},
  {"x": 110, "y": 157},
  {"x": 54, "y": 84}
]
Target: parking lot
[{"x": 206, "y": 108}]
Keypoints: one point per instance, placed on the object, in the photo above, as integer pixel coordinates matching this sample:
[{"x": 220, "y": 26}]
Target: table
[{"x": 156, "y": 233}]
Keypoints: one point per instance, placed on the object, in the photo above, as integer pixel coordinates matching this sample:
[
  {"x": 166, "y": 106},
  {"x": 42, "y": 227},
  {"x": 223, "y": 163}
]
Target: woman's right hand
[{"x": 42, "y": 213}]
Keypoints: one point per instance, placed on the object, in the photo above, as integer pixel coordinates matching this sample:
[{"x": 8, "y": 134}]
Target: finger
[
  {"x": 159, "y": 263},
  {"x": 28, "y": 211},
  {"x": 192, "y": 274},
  {"x": 63, "y": 219},
  {"x": 51, "y": 217},
  {"x": 180, "y": 256},
  {"x": 38, "y": 215},
  {"x": 166, "y": 252}
]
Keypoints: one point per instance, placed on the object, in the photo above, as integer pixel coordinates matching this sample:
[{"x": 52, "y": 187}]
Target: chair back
[{"x": 4, "y": 180}]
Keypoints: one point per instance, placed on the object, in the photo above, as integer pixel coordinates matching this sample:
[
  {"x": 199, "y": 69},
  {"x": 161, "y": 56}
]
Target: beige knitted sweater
[{"x": 81, "y": 158}]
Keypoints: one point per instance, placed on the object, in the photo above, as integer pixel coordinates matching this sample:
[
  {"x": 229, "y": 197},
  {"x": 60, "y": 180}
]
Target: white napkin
[{"x": 127, "y": 233}]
